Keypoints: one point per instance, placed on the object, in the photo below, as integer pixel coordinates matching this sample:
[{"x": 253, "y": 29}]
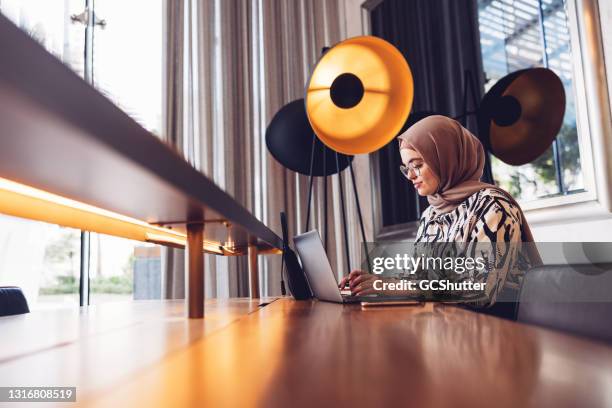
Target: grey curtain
[{"x": 230, "y": 65}]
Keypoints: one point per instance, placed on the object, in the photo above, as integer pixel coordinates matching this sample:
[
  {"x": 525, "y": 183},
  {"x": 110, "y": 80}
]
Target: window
[
  {"x": 121, "y": 269},
  {"x": 126, "y": 52},
  {"x": 518, "y": 34},
  {"x": 42, "y": 259},
  {"x": 49, "y": 23},
  {"x": 120, "y": 53},
  {"x": 127, "y": 58}
]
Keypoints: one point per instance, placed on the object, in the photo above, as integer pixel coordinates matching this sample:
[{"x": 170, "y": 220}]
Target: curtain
[
  {"x": 230, "y": 66},
  {"x": 440, "y": 41}
]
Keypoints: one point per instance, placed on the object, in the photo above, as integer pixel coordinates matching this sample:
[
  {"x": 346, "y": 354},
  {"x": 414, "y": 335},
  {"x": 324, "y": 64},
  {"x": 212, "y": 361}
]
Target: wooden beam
[
  {"x": 253, "y": 273},
  {"x": 195, "y": 271}
]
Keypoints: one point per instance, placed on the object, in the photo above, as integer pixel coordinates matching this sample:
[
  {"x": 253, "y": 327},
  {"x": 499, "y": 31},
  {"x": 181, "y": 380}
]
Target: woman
[{"x": 444, "y": 162}]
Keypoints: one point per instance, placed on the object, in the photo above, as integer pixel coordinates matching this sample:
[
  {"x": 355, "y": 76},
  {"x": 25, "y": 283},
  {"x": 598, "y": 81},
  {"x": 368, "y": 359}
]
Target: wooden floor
[{"x": 292, "y": 353}]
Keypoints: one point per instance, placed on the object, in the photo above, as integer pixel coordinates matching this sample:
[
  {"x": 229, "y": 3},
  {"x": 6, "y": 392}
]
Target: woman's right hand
[{"x": 359, "y": 281}]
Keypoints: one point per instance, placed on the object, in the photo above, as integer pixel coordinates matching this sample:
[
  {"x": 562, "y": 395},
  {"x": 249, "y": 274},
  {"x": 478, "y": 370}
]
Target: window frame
[
  {"x": 592, "y": 121},
  {"x": 582, "y": 125}
]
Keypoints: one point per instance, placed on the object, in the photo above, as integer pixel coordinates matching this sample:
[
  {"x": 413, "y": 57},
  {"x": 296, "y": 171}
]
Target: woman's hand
[{"x": 360, "y": 282}]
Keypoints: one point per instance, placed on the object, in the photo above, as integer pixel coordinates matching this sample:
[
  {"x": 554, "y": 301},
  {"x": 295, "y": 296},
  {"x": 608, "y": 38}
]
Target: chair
[
  {"x": 505, "y": 306},
  {"x": 12, "y": 301},
  {"x": 572, "y": 298}
]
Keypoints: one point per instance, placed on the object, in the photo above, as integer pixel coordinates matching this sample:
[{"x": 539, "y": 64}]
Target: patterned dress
[{"x": 490, "y": 225}]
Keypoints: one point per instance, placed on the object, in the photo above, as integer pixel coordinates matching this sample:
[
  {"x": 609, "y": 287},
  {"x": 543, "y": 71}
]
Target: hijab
[{"x": 457, "y": 157}]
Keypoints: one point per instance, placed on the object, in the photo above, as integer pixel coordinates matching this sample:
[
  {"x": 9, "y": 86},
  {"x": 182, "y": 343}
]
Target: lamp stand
[{"x": 343, "y": 206}]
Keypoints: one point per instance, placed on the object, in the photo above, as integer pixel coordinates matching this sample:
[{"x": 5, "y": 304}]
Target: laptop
[{"x": 320, "y": 275}]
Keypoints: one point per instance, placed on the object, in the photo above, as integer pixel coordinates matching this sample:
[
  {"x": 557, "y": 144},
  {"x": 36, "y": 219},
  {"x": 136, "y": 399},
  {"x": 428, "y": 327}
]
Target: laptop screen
[{"x": 317, "y": 267}]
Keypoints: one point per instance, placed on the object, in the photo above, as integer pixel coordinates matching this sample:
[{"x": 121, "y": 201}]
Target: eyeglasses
[{"x": 416, "y": 169}]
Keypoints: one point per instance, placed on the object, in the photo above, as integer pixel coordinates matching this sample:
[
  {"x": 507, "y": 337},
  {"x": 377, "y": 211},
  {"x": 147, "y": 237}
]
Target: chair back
[
  {"x": 572, "y": 298},
  {"x": 12, "y": 301}
]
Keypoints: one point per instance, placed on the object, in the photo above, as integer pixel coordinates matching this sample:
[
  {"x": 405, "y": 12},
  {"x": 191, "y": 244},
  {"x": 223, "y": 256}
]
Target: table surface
[
  {"x": 100, "y": 347},
  {"x": 292, "y": 353}
]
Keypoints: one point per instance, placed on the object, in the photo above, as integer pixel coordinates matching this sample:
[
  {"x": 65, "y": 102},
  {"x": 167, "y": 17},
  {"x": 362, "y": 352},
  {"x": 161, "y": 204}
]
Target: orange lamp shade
[{"x": 359, "y": 95}]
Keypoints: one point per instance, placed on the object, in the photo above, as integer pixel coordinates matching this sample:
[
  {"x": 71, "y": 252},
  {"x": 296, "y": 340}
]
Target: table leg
[
  {"x": 253, "y": 273},
  {"x": 195, "y": 269}
]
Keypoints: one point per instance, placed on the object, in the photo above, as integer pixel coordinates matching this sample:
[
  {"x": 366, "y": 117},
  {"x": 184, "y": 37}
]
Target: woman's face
[{"x": 426, "y": 182}]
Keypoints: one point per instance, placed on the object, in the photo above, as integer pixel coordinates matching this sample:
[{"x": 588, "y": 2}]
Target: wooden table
[
  {"x": 97, "y": 348},
  {"x": 313, "y": 353}
]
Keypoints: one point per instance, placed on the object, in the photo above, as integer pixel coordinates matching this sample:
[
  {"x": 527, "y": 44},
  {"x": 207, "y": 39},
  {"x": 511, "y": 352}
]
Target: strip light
[{"x": 28, "y": 202}]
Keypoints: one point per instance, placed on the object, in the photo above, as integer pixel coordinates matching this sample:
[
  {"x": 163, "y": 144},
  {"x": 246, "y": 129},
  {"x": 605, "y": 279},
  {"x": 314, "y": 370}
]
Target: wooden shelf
[{"x": 60, "y": 135}]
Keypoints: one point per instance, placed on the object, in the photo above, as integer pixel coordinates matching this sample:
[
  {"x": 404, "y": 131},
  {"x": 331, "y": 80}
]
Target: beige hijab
[{"x": 457, "y": 157}]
